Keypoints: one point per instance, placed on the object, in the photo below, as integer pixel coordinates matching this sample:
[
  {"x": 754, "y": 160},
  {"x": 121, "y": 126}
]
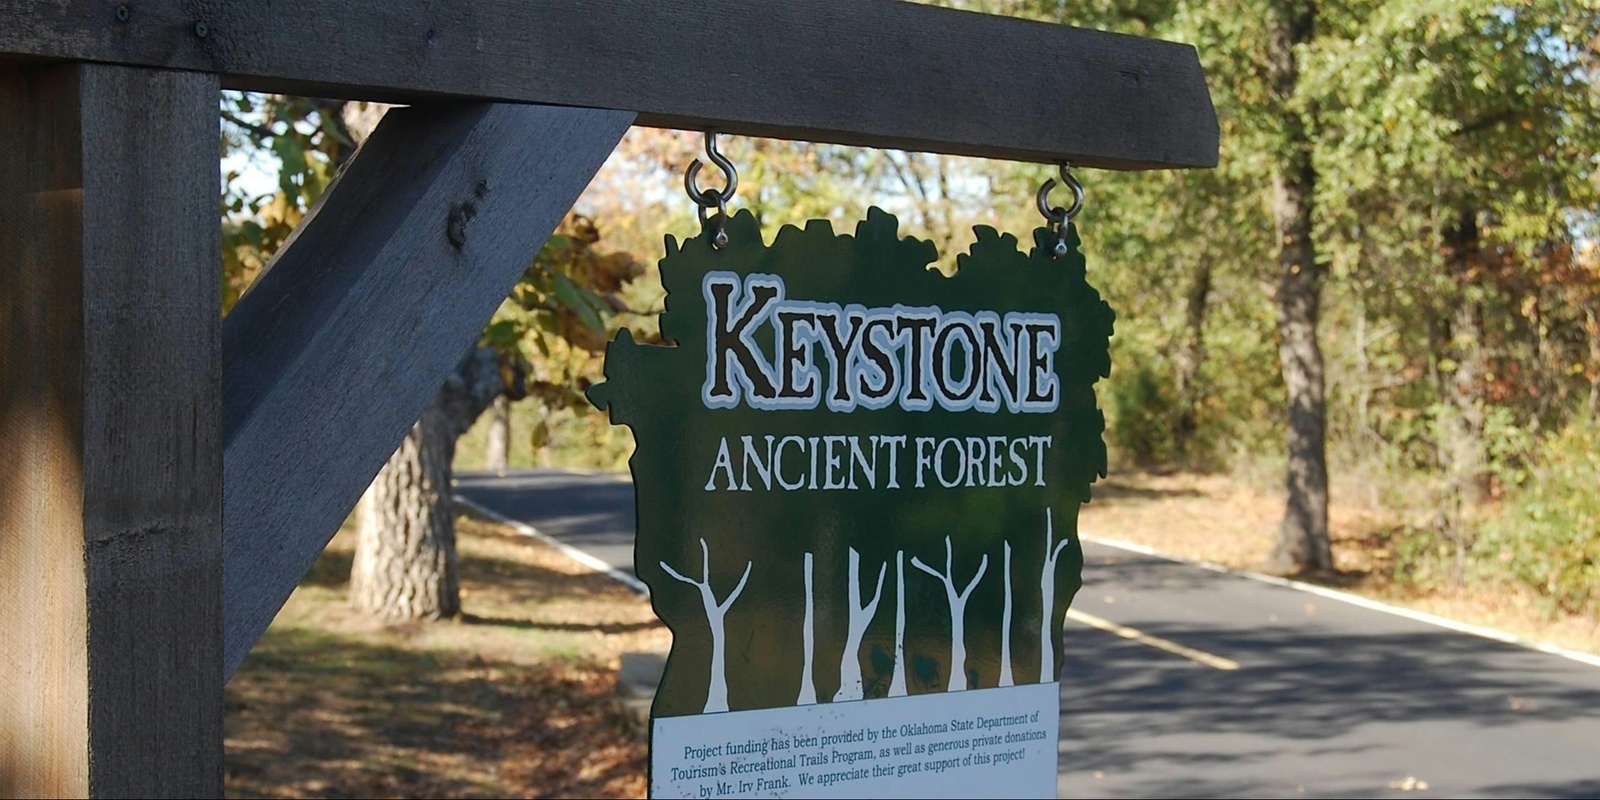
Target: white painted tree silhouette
[
  {"x": 897, "y": 684},
  {"x": 808, "y": 684},
  {"x": 1005, "y": 627},
  {"x": 958, "y": 611},
  {"x": 860, "y": 615},
  {"x": 717, "y": 691},
  {"x": 1047, "y": 588}
]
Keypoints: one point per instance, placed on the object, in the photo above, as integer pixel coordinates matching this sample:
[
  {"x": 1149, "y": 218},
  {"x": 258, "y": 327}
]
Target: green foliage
[
  {"x": 1423, "y": 555},
  {"x": 568, "y": 438},
  {"x": 1455, "y": 145},
  {"x": 560, "y": 314},
  {"x": 1141, "y": 415},
  {"x": 1547, "y": 536},
  {"x": 302, "y": 140},
  {"x": 1419, "y": 113}
]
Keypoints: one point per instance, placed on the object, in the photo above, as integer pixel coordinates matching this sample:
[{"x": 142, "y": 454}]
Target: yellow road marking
[{"x": 1197, "y": 656}]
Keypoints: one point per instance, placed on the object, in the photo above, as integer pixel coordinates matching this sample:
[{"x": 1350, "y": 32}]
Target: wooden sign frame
[{"x": 168, "y": 477}]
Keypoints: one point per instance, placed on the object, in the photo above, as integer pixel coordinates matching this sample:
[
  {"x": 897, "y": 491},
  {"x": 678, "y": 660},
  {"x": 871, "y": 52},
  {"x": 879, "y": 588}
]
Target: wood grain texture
[
  {"x": 877, "y": 73},
  {"x": 110, "y": 426},
  {"x": 345, "y": 338},
  {"x": 44, "y": 669}
]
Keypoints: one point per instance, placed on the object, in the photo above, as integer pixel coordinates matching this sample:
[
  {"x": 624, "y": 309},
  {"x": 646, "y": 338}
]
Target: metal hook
[
  {"x": 1058, "y": 215},
  {"x": 708, "y": 198},
  {"x": 705, "y": 199},
  {"x": 1060, "y": 218}
]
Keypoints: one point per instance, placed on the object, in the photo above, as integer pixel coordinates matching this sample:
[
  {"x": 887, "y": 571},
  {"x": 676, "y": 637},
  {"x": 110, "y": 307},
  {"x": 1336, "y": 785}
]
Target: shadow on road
[{"x": 1346, "y": 686}]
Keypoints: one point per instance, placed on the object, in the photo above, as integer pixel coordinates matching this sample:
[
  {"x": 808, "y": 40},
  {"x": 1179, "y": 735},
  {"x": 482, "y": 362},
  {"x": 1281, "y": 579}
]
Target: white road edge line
[
  {"x": 568, "y": 550},
  {"x": 1356, "y": 600}
]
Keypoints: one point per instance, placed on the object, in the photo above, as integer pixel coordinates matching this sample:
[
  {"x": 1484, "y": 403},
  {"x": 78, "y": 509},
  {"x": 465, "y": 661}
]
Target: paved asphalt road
[{"x": 1328, "y": 699}]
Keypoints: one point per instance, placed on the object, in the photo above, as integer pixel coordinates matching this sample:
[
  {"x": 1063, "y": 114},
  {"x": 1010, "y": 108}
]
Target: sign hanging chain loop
[
  {"x": 1058, "y": 217},
  {"x": 706, "y": 199}
]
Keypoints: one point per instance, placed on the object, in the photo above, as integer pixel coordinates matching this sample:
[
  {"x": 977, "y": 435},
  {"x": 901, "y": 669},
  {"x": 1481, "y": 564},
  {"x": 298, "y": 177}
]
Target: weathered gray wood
[
  {"x": 877, "y": 73},
  {"x": 110, "y": 433},
  {"x": 344, "y": 339}
]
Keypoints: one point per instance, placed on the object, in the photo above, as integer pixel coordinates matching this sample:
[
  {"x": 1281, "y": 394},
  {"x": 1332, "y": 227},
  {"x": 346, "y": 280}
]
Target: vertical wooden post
[{"x": 110, "y": 446}]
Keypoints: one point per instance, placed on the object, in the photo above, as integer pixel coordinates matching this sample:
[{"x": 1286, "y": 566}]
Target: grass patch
[{"x": 514, "y": 699}]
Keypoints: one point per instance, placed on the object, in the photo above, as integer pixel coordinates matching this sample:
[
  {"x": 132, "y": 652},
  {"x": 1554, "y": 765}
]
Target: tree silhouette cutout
[
  {"x": 1047, "y": 588},
  {"x": 717, "y": 691},
  {"x": 860, "y": 616},
  {"x": 808, "y": 683},
  {"x": 1005, "y": 627},
  {"x": 897, "y": 683},
  {"x": 958, "y": 611}
]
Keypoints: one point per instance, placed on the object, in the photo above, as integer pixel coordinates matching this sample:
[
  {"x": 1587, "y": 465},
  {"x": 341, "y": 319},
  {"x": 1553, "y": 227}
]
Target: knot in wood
[{"x": 455, "y": 227}]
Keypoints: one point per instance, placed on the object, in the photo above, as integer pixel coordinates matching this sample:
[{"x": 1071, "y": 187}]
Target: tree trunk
[
  {"x": 405, "y": 564},
  {"x": 1048, "y": 672},
  {"x": 1187, "y": 360},
  {"x": 716, "y": 618},
  {"x": 1303, "y": 535},
  {"x": 808, "y": 641},
  {"x": 405, "y": 561},
  {"x": 1592, "y": 326},
  {"x": 1006, "y": 678},
  {"x": 1464, "y": 456},
  {"x": 499, "y": 436},
  {"x": 897, "y": 679},
  {"x": 851, "y": 686}
]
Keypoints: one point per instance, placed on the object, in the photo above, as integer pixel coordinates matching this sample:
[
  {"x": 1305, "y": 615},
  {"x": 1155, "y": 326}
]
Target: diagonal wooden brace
[{"x": 344, "y": 339}]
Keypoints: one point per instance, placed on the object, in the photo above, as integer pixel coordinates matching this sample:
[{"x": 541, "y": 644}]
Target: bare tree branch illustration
[
  {"x": 1047, "y": 591},
  {"x": 808, "y": 683},
  {"x": 850, "y": 683},
  {"x": 897, "y": 683},
  {"x": 717, "y": 691},
  {"x": 958, "y": 611},
  {"x": 1005, "y": 626}
]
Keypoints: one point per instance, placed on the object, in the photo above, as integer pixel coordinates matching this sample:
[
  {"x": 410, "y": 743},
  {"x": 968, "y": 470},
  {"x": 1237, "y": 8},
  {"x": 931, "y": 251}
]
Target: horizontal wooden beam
[
  {"x": 876, "y": 73},
  {"x": 342, "y": 342}
]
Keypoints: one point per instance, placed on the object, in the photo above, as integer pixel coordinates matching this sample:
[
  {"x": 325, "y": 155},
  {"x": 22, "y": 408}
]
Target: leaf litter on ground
[{"x": 513, "y": 700}]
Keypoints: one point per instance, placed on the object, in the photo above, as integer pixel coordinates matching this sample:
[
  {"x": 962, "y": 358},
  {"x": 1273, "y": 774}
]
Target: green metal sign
[{"x": 858, "y": 483}]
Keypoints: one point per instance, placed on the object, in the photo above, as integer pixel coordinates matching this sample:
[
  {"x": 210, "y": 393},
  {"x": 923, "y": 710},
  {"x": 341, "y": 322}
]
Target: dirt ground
[
  {"x": 513, "y": 701},
  {"x": 1218, "y": 519}
]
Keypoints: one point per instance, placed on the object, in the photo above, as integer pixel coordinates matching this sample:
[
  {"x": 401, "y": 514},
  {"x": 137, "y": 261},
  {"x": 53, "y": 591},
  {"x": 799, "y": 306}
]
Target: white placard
[{"x": 980, "y": 743}]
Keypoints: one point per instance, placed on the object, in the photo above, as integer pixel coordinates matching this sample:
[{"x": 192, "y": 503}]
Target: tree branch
[
  {"x": 982, "y": 566},
  {"x": 254, "y": 129},
  {"x": 1484, "y": 123},
  {"x": 674, "y": 573},
  {"x": 877, "y": 593},
  {"x": 737, "y": 589},
  {"x": 917, "y": 562}
]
